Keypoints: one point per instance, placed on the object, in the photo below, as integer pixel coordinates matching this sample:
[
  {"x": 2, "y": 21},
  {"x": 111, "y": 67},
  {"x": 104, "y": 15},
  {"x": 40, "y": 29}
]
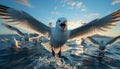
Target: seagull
[
  {"x": 84, "y": 44},
  {"x": 36, "y": 41},
  {"x": 17, "y": 31},
  {"x": 27, "y": 37},
  {"x": 60, "y": 33},
  {"x": 14, "y": 44},
  {"x": 103, "y": 44}
]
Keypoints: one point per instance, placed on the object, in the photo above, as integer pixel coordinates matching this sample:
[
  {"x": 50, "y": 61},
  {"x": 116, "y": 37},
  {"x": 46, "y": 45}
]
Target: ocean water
[{"x": 37, "y": 57}]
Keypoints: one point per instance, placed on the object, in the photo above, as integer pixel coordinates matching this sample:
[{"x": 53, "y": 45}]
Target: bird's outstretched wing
[
  {"x": 17, "y": 31},
  {"x": 93, "y": 41},
  {"x": 13, "y": 29},
  {"x": 114, "y": 40},
  {"x": 22, "y": 20},
  {"x": 96, "y": 26}
]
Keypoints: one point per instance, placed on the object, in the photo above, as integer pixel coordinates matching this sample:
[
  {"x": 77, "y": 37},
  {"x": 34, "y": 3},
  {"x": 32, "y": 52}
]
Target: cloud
[
  {"x": 75, "y": 4},
  {"x": 79, "y": 4},
  {"x": 56, "y": 13},
  {"x": 71, "y": 24},
  {"x": 115, "y": 2},
  {"x": 24, "y": 2},
  {"x": 71, "y": 4},
  {"x": 75, "y": 24},
  {"x": 91, "y": 16},
  {"x": 65, "y": 1}
]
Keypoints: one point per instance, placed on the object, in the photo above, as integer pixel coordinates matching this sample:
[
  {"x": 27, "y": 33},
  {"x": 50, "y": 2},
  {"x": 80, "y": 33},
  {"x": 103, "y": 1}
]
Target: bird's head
[{"x": 62, "y": 24}]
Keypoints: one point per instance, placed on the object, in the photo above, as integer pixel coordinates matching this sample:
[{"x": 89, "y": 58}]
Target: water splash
[{"x": 49, "y": 63}]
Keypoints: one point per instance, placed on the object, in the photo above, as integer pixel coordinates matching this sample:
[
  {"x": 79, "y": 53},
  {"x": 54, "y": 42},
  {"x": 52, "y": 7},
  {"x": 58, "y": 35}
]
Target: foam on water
[{"x": 49, "y": 63}]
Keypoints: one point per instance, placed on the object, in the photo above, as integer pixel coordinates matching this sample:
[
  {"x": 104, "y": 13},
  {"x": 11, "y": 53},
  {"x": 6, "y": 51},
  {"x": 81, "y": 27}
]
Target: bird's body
[
  {"x": 26, "y": 38},
  {"x": 58, "y": 37},
  {"x": 102, "y": 45},
  {"x": 58, "y": 34},
  {"x": 102, "y": 48},
  {"x": 14, "y": 44}
]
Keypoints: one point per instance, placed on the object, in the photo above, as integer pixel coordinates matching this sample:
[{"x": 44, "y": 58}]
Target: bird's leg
[
  {"x": 59, "y": 53},
  {"x": 101, "y": 53},
  {"x": 53, "y": 52}
]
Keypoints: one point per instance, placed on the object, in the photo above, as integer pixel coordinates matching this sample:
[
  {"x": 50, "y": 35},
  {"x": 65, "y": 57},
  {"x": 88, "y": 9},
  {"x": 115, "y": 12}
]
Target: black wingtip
[
  {"x": 3, "y": 6},
  {"x": 116, "y": 12},
  {"x": 118, "y": 36}
]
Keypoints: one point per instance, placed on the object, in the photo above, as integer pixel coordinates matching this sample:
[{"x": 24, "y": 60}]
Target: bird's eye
[{"x": 59, "y": 21}]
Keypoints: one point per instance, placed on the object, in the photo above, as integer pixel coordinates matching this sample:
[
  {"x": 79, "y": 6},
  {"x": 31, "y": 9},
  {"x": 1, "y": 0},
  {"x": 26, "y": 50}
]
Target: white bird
[
  {"x": 103, "y": 44},
  {"x": 14, "y": 43},
  {"x": 17, "y": 31},
  {"x": 60, "y": 33}
]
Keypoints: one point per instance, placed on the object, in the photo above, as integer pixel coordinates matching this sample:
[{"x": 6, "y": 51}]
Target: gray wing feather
[
  {"x": 93, "y": 41},
  {"x": 116, "y": 39},
  {"x": 96, "y": 26},
  {"x": 13, "y": 29},
  {"x": 22, "y": 20}
]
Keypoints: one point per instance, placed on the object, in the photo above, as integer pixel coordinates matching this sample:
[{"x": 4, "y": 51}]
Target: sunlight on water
[{"x": 49, "y": 63}]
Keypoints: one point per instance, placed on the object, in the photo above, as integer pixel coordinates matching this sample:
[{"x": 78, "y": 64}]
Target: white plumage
[{"x": 14, "y": 43}]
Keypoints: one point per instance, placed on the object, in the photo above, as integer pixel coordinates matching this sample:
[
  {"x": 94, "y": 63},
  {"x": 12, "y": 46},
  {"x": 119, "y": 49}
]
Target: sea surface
[{"x": 37, "y": 57}]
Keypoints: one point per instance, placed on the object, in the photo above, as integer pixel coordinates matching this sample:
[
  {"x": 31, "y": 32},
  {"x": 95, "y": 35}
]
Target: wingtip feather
[
  {"x": 116, "y": 12},
  {"x": 115, "y": 20}
]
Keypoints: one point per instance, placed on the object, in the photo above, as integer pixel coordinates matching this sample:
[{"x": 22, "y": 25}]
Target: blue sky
[{"x": 76, "y": 11}]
